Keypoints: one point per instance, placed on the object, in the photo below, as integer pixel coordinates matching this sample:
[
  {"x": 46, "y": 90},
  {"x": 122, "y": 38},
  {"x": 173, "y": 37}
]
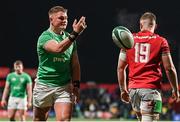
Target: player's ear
[
  {"x": 50, "y": 18},
  {"x": 155, "y": 27},
  {"x": 140, "y": 25}
]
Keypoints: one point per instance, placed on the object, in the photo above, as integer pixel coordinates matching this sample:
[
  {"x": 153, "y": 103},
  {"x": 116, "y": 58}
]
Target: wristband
[
  {"x": 73, "y": 36},
  {"x": 76, "y": 83}
]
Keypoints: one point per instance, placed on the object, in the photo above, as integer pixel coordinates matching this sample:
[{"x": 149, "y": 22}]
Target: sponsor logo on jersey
[
  {"x": 13, "y": 79},
  {"x": 145, "y": 37},
  {"x": 56, "y": 59},
  {"x": 22, "y": 79}
]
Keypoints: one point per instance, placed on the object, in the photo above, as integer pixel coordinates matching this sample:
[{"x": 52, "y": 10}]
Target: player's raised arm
[{"x": 78, "y": 27}]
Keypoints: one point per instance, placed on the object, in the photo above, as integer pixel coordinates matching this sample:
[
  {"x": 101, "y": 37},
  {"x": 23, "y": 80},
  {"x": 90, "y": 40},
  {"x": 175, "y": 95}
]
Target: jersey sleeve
[
  {"x": 43, "y": 39},
  {"x": 122, "y": 55},
  {"x": 8, "y": 78},
  {"x": 165, "y": 47},
  {"x": 28, "y": 78}
]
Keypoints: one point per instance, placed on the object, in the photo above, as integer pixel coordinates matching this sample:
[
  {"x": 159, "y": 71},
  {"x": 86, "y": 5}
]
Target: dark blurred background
[{"x": 22, "y": 21}]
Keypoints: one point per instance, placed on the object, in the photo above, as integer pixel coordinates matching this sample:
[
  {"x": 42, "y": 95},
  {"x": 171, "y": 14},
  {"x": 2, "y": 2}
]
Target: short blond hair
[
  {"x": 56, "y": 9},
  {"x": 148, "y": 15},
  {"x": 148, "y": 18}
]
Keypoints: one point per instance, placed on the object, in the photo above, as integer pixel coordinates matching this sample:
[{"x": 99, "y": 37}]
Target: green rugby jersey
[
  {"x": 18, "y": 83},
  {"x": 54, "y": 68}
]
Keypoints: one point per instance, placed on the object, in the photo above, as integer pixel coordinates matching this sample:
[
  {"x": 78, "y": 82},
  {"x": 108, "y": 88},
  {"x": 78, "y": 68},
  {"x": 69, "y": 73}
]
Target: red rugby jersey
[{"x": 144, "y": 60}]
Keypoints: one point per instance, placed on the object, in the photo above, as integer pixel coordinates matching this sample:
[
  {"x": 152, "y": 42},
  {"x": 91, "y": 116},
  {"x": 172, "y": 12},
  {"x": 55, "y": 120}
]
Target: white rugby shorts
[
  {"x": 45, "y": 96},
  {"x": 17, "y": 103}
]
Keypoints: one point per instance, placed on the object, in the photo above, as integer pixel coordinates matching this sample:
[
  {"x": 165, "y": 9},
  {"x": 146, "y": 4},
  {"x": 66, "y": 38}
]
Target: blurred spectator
[{"x": 115, "y": 111}]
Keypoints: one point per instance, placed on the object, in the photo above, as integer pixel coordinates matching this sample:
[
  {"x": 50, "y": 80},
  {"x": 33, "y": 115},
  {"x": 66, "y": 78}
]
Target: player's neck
[
  {"x": 148, "y": 29},
  {"x": 19, "y": 73},
  {"x": 55, "y": 30}
]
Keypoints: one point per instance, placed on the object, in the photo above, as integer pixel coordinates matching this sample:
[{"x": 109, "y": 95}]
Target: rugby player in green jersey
[
  {"x": 19, "y": 86},
  {"x": 58, "y": 76}
]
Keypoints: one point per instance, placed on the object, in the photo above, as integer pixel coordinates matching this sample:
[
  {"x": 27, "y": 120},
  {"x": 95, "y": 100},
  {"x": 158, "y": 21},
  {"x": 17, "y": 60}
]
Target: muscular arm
[
  {"x": 57, "y": 47},
  {"x": 6, "y": 91},
  {"x": 170, "y": 70},
  {"x": 5, "y": 94},
  {"x": 121, "y": 71},
  {"x": 171, "y": 75},
  {"x": 29, "y": 92},
  {"x": 76, "y": 75}
]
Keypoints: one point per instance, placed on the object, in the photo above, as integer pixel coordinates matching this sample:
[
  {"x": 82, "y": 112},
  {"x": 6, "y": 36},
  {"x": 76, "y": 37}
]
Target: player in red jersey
[{"x": 145, "y": 76}]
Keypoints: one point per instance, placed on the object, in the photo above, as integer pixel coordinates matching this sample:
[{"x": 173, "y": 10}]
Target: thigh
[
  {"x": 63, "y": 111},
  {"x": 43, "y": 96},
  {"x": 22, "y": 104},
  {"x": 63, "y": 94},
  {"x": 135, "y": 99},
  {"x": 151, "y": 101},
  {"x": 22, "y": 107},
  {"x": 12, "y": 103},
  {"x": 12, "y": 107},
  {"x": 63, "y": 103}
]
